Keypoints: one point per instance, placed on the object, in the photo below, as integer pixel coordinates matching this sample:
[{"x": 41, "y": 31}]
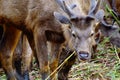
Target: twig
[{"x": 60, "y": 65}]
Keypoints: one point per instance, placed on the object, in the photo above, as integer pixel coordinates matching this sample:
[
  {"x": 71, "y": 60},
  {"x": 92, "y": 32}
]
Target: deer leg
[
  {"x": 26, "y": 58},
  {"x": 7, "y": 66},
  {"x": 63, "y": 72},
  {"x": 17, "y": 64},
  {"x": 43, "y": 60},
  {"x": 53, "y": 50},
  {"x": 7, "y": 46},
  {"x": 42, "y": 53},
  {"x": 17, "y": 56}
]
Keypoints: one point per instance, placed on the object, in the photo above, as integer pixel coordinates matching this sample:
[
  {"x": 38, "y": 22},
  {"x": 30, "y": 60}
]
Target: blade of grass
[
  {"x": 111, "y": 12},
  {"x": 60, "y": 65}
]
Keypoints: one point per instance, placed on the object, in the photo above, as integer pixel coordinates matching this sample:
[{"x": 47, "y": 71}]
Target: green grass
[
  {"x": 3, "y": 77},
  {"x": 105, "y": 66}
]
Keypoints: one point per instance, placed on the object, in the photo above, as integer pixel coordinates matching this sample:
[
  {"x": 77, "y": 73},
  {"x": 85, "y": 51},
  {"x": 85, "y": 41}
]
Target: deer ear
[
  {"x": 100, "y": 15},
  {"x": 56, "y": 37},
  {"x": 61, "y": 18},
  {"x": 98, "y": 36}
]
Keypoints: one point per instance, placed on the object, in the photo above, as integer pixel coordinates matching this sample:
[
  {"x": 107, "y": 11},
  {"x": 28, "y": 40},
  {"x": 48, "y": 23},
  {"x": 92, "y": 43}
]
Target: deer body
[
  {"x": 108, "y": 25},
  {"x": 35, "y": 18}
]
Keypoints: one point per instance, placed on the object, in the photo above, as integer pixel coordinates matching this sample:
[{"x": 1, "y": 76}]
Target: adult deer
[{"x": 45, "y": 34}]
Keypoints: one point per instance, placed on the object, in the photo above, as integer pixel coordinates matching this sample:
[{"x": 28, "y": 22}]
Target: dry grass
[{"x": 105, "y": 66}]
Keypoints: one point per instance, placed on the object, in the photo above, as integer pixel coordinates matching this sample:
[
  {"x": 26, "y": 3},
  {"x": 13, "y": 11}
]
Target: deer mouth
[{"x": 83, "y": 56}]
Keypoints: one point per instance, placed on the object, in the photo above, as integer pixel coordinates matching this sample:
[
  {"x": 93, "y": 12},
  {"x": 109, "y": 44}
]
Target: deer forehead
[
  {"x": 83, "y": 32},
  {"x": 82, "y": 23}
]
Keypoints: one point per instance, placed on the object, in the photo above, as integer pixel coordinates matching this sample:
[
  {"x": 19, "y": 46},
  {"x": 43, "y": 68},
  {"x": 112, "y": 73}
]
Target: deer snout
[{"x": 84, "y": 55}]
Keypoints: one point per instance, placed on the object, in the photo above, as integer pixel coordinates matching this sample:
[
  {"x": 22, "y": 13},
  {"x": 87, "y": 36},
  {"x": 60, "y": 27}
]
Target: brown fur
[
  {"x": 22, "y": 57},
  {"x": 113, "y": 31},
  {"x": 118, "y": 5},
  {"x": 7, "y": 47},
  {"x": 14, "y": 59},
  {"x": 26, "y": 55},
  {"x": 34, "y": 17}
]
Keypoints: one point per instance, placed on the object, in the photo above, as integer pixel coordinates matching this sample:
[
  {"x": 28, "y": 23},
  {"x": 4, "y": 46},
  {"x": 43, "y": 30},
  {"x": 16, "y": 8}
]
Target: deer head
[{"x": 79, "y": 30}]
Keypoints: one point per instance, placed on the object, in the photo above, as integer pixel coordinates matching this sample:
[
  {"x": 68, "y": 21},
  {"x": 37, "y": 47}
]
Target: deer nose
[{"x": 84, "y": 55}]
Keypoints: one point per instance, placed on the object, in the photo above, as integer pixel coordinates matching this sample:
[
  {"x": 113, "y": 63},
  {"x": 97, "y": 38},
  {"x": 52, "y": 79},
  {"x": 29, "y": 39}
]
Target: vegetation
[{"x": 104, "y": 66}]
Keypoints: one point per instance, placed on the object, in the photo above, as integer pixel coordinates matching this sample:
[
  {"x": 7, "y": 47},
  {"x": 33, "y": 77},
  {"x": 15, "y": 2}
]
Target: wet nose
[{"x": 84, "y": 55}]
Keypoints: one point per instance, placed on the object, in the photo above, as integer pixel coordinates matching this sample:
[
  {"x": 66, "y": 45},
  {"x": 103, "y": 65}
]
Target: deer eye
[
  {"x": 73, "y": 34},
  {"x": 91, "y": 34}
]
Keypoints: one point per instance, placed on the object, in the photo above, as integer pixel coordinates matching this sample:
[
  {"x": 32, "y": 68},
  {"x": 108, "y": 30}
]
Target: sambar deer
[
  {"x": 22, "y": 58},
  {"x": 35, "y": 18},
  {"x": 108, "y": 24},
  {"x": 22, "y": 54},
  {"x": 6, "y": 55}
]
